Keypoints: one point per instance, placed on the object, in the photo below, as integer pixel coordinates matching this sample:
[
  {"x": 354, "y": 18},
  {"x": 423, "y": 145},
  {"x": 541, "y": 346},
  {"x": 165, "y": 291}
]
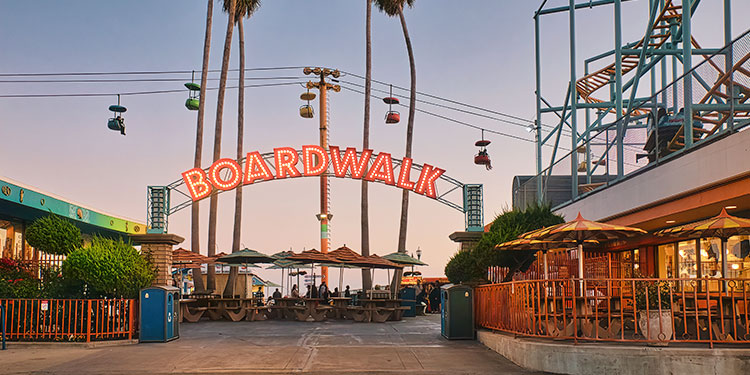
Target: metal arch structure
[
  {"x": 661, "y": 61},
  {"x": 166, "y": 200}
]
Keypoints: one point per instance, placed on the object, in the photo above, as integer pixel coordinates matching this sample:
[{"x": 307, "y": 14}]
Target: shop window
[
  {"x": 738, "y": 257},
  {"x": 668, "y": 262}
]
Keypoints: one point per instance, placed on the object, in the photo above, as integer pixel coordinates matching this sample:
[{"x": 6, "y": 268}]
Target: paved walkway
[{"x": 412, "y": 346}]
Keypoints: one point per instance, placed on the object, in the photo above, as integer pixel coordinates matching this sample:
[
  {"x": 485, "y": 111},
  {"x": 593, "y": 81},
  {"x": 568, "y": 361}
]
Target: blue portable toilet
[
  {"x": 457, "y": 312},
  {"x": 159, "y": 309}
]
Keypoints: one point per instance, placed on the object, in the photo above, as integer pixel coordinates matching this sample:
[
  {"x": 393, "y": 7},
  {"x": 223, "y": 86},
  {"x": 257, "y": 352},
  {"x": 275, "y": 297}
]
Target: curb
[{"x": 50, "y": 345}]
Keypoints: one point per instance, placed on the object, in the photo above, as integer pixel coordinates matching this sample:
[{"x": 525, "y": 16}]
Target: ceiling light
[
  {"x": 670, "y": 221},
  {"x": 730, "y": 207}
]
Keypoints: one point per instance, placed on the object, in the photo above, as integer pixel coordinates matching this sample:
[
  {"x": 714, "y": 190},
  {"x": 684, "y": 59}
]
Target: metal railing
[
  {"x": 69, "y": 319},
  {"x": 651, "y": 311}
]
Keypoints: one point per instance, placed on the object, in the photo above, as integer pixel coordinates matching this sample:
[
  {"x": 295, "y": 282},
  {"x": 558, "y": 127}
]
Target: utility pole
[{"x": 324, "y": 216}]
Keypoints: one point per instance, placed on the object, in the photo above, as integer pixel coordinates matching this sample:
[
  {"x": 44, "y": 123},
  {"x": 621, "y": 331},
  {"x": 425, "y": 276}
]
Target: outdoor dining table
[
  {"x": 190, "y": 311},
  {"x": 340, "y": 305},
  {"x": 372, "y": 310},
  {"x": 284, "y": 307},
  {"x": 234, "y": 309}
]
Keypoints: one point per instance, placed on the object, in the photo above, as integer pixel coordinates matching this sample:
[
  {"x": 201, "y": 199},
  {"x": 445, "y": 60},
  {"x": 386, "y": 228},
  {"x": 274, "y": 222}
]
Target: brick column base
[{"x": 159, "y": 247}]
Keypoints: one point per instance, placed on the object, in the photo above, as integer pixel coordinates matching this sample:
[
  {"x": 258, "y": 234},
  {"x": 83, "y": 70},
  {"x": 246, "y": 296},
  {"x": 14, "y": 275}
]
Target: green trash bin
[{"x": 457, "y": 312}]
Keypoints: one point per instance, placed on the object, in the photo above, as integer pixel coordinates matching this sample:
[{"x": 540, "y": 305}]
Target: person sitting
[
  {"x": 347, "y": 292},
  {"x": 295, "y": 291},
  {"x": 323, "y": 291},
  {"x": 335, "y": 292},
  {"x": 308, "y": 294},
  {"x": 276, "y": 294}
]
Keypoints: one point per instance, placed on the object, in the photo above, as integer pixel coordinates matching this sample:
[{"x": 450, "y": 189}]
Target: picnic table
[
  {"x": 190, "y": 311},
  {"x": 234, "y": 309},
  {"x": 340, "y": 306},
  {"x": 372, "y": 310}
]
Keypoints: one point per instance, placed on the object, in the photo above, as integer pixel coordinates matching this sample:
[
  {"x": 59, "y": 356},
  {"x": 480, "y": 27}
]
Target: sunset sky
[{"x": 476, "y": 52}]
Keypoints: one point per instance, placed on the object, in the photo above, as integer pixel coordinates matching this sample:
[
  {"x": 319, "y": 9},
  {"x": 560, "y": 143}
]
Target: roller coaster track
[{"x": 669, "y": 16}]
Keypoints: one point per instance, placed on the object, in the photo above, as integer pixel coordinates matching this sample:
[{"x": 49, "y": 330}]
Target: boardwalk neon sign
[{"x": 227, "y": 174}]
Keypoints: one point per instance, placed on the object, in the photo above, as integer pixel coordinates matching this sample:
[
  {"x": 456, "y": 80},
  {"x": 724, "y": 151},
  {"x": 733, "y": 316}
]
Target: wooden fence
[{"x": 69, "y": 319}]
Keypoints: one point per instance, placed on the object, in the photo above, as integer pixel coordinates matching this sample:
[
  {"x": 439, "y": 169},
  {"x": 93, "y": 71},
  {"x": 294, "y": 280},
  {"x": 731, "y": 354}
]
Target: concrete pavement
[{"x": 412, "y": 346}]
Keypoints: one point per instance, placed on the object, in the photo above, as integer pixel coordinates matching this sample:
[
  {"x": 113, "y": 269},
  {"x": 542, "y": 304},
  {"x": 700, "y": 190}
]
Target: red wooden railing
[
  {"x": 681, "y": 310},
  {"x": 69, "y": 319}
]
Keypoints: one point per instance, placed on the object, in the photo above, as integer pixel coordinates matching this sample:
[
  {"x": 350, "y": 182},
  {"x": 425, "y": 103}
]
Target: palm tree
[
  {"x": 365, "y": 232},
  {"x": 393, "y": 8},
  {"x": 195, "y": 240},
  {"x": 245, "y": 9},
  {"x": 214, "y": 200}
]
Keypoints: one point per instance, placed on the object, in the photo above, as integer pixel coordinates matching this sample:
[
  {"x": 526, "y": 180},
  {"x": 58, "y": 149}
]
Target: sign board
[
  {"x": 44, "y": 305},
  {"x": 226, "y": 174}
]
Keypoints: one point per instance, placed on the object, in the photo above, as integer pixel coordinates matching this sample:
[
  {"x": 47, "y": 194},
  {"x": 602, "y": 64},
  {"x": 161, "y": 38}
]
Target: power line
[
  {"x": 146, "y": 72},
  {"x": 113, "y": 80},
  {"x": 135, "y": 92},
  {"x": 447, "y": 100},
  {"x": 449, "y": 118},
  {"x": 448, "y": 107}
]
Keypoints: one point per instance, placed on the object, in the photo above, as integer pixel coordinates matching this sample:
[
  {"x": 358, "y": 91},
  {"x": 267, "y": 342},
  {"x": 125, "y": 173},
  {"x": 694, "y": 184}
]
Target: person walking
[{"x": 435, "y": 298}]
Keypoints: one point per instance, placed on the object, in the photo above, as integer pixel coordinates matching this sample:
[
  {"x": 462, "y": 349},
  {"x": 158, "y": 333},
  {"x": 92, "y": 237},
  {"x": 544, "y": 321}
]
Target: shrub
[
  {"x": 462, "y": 267},
  {"x": 16, "y": 281},
  {"x": 507, "y": 226},
  {"x": 53, "y": 235},
  {"x": 109, "y": 268}
]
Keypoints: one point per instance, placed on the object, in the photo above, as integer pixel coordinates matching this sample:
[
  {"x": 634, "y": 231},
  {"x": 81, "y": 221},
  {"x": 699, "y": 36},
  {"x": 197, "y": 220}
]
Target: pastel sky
[{"x": 479, "y": 52}]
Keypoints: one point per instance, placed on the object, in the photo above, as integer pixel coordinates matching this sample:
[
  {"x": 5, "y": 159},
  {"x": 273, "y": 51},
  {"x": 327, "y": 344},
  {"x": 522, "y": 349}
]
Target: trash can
[
  {"x": 159, "y": 314},
  {"x": 457, "y": 312},
  {"x": 408, "y": 297}
]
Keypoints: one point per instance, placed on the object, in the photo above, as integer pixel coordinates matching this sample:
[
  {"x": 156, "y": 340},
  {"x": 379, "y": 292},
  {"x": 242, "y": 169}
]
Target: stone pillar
[{"x": 159, "y": 247}]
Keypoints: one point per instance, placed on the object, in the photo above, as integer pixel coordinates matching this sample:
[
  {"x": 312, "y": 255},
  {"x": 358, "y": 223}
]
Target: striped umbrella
[
  {"x": 722, "y": 226},
  {"x": 537, "y": 245},
  {"x": 581, "y": 230},
  {"x": 312, "y": 257}
]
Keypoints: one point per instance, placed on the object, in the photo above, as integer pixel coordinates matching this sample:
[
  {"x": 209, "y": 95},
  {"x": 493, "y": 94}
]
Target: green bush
[
  {"x": 16, "y": 281},
  {"x": 53, "y": 235},
  {"x": 506, "y": 227},
  {"x": 462, "y": 267},
  {"x": 109, "y": 268}
]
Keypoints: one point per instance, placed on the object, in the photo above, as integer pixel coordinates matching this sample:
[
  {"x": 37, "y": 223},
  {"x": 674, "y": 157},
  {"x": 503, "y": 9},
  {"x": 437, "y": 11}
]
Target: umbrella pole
[
  {"x": 724, "y": 262},
  {"x": 546, "y": 267},
  {"x": 341, "y": 280},
  {"x": 580, "y": 268}
]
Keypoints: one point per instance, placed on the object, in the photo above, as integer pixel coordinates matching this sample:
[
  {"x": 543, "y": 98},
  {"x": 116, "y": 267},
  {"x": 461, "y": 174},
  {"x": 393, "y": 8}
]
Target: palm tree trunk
[
  {"x": 195, "y": 239},
  {"x": 409, "y": 136},
  {"x": 365, "y": 232},
  {"x": 214, "y": 201},
  {"x": 237, "y": 231}
]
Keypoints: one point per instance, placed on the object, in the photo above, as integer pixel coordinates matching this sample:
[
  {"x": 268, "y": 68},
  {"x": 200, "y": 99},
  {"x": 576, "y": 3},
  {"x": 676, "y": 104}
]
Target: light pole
[
  {"x": 324, "y": 216},
  {"x": 419, "y": 257}
]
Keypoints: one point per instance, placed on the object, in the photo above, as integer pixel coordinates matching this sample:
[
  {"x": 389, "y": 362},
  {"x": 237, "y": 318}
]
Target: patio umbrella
[
  {"x": 522, "y": 244},
  {"x": 405, "y": 259},
  {"x": 579, "y": 231},
  {"x": 186, "y": 259},
  {"x": 722, "y": 226},
  {"x": 244, "y": 257},
  {"x": 345, "y": 255},
  {"x": 312, "y": 257},
  {"x": 281, "y": 256},
  {"x": 373, "y": 262}
]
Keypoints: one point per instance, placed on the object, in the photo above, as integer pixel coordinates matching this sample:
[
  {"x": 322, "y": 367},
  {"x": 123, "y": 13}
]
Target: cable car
[
  {"x": 306, "y": 110},
  {"x": 391, "y": 117},
  {"x": 117, "y": 123},
  {"x": 483, "y": 158},
  {"x": 193, "y": 101}
]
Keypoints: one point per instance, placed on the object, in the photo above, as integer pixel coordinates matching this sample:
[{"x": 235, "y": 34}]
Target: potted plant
[{"x": 654, "y": 305}]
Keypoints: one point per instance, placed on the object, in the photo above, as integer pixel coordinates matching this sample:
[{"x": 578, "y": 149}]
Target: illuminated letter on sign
[
  {"x": 256, "y": 168},
  {"x": 426, "y": 182},
  {"x": 403, "y": 175},
  {"x": 312, "y": 169},
  {"x": 195, "y": 179},
  {"x": 235, "y": 177},
  {"x": 350, "y": 161},
  {"x": 286, "y": 159},
  {"x": 382, "y": 169}
]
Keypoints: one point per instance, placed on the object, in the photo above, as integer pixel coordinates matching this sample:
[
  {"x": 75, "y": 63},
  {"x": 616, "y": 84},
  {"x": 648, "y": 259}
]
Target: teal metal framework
[
  {"x": 667, "y": 34},
  {"x": 161, "y": 202}
]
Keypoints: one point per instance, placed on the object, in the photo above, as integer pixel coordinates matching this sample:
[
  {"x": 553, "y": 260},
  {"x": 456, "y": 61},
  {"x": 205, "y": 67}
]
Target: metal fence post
[
  {"x": 88, "y": 320},
  {"x": 131, "y": 307},
  {"x": 2, "y": 318}
]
